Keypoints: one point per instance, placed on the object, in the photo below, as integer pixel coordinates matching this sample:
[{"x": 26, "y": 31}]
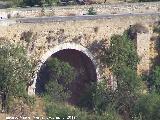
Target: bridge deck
[{"x": 76, "y": 18}]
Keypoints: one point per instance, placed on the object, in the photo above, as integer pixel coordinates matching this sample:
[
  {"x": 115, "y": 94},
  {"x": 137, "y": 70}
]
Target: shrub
[
  {"x": 86, "y": 99},
  {"x": 97, "y": 97},
  {"x": 129, "y": 88},
  {"x": 57, "y": 91},
  {"x": 122, "y": 58},
  {"x": 15, "y": 71},
  {"x": 63, "y": 110},
  {"x": 58, "y": 109},
  {"x": 102, "y": 98},
  {"x": 148, "y": 106},
  {"x": 156, "y": 28},
  {"x": 91, "y": 11},
  {"x": 122, "y": 52},
  {"x": 155, "y": 80},
  {"x": 61, "y": 75}
]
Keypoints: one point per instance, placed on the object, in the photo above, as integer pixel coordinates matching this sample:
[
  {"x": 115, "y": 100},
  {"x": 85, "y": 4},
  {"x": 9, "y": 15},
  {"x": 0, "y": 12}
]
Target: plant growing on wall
[
  {"x": 122, "y": 52},
  {"x": 91, "y": 11},
  {"x": 121, "y": 57}
]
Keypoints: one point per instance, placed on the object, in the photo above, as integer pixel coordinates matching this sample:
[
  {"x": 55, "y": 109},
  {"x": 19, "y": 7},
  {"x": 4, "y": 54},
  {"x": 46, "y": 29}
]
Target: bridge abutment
[{"x": 143, "y": 51}]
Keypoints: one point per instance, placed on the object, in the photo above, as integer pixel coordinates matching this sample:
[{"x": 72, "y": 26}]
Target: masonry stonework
[
  {"x": 83, "y": 35},
  {"x": 143, "y": 50}
]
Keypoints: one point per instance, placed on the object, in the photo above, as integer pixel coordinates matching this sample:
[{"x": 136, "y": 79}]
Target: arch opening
[{"x": 84, "y": 66}]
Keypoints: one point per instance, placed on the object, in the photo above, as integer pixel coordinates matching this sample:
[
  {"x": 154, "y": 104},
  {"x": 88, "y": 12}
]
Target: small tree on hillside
[
  {"x": 122, "y": 58},
  {"x": 15, "y": 70}
]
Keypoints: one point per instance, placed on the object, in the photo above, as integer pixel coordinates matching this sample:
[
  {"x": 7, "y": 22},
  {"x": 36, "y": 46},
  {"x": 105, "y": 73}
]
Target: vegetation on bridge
[{"x": 133, "y": 99}]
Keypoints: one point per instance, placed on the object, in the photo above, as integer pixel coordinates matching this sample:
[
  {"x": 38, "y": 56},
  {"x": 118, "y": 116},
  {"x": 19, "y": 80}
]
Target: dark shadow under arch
[{"x": 83, "y": 66}]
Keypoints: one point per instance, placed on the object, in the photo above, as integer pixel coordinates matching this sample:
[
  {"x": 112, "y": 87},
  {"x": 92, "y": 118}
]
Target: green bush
[
  {"x": 157, "y": 29},
  {"x": 91, "y": 11},
  {"x": 91, "y": 97},
  {"x": 86, "y": 99},
  {"x": 103, "y": 98},
  {"x": 15, "y": 71},
  {"x": 61, "y": 75},
  {"x": 122, "y": 59},
  {"x": 122, "y": 52},
  {"x": 58, "y": 109},
  {"x": 97, "y": 97},
  {"x": 54, "y": 89},
  {"x": 63, "y": 110},
  {"x": 148, "y": 106},
  {"x": 129, "y": 88},
  {"x": 155, "y": 80}
]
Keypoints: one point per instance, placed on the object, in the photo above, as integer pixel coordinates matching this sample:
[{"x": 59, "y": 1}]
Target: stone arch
[{"x": 59, "y": 47}]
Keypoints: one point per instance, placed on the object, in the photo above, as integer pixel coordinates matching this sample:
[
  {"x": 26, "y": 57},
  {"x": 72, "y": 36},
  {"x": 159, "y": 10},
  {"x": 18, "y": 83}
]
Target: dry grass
[
  {"x": 39, "y": 109},
  {"x": 3, "y": 116}
]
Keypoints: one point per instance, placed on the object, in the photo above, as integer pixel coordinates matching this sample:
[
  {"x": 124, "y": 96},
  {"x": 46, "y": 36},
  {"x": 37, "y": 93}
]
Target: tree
[
  {"x": 61, "y": 75},
  {"x": 122, "y": 52},
  {"x": 15, "y": 70},
  {"x": 122, "y": 59},
  {"x": 154, "y": 80},
  {"x": 148, "y": 107}
]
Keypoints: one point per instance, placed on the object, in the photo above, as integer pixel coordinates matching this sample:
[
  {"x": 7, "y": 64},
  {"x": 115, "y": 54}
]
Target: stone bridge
[{"x": 77, "y": 39}]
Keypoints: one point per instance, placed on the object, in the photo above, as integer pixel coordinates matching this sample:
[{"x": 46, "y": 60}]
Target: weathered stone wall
[
  {"x": 119, "y": 8},
  {"x": 143, "y": 50},
  {"x": 88, "y": 34},
  {"x": 83, "y": 32}
]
